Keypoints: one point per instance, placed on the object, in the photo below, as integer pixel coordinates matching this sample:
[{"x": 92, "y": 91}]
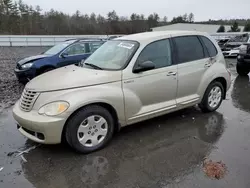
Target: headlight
[
  {"x": 54, "y": 108},
  {"x": 27, "y": 65}
]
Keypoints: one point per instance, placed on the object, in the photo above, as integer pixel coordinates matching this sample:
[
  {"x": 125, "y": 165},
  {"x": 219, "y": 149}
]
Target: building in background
[{"x": 209, "y": 28}]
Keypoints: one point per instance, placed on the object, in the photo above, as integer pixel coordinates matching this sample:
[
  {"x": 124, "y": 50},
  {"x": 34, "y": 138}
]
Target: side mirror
[
  {"x": 64, "y": 55},
  {"x": 145, "y": 66}
]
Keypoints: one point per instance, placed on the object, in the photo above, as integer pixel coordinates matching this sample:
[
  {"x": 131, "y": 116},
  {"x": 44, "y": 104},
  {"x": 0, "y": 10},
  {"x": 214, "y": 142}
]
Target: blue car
[{"x": 66, "y": 53}]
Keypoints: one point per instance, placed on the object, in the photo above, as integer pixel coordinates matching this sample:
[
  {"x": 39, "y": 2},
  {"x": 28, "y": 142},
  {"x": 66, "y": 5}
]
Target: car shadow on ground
[{"x": 173, "y": 145}]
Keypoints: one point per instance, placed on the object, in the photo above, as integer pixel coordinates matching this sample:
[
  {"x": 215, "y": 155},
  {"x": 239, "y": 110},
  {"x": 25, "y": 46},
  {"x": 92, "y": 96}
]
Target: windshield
[
  {"x": 57, "y": 48},
  {"x": 113, "y": 54}
]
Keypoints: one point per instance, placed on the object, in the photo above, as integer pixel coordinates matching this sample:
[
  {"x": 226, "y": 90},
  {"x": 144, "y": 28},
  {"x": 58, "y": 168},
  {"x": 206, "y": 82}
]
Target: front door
[
  {"x": 74, "y": 54},
  {"x": 153, "y": 92}
]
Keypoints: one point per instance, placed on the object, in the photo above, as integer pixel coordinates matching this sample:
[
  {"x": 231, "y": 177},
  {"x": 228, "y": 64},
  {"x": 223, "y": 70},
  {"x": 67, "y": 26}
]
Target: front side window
[
  {"x": 189, "y": 48},
  {"x": 212, "y": 51},
  {"x": 158, "y": 52},
  {"x": 113, "y": 54},
  {"x": 76, "y": 49}
]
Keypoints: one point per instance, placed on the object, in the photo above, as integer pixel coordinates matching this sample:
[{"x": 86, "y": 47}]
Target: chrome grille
[{"x": 27, "y": 100}]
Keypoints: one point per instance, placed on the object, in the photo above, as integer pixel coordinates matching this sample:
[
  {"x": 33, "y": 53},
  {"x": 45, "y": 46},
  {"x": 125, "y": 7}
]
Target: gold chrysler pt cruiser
[{"x": 127, "y": 80}]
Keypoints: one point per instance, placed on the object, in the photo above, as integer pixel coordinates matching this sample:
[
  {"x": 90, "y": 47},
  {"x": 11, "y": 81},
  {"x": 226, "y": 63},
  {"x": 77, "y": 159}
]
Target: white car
[{"x": 231, "y": 53}]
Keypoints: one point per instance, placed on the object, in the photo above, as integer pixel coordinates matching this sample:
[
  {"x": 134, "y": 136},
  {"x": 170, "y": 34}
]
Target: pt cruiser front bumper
[{"x": 39, "y": 128}]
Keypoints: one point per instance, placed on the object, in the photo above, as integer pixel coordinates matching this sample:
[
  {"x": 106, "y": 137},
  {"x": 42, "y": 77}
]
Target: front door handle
[{"x": 171, "y": 73}]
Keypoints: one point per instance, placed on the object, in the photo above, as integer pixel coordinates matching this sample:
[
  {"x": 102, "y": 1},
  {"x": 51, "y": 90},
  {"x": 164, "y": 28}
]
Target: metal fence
[
  {"x": 50, "y": 40},
  {"x": 39, "y": 40}
]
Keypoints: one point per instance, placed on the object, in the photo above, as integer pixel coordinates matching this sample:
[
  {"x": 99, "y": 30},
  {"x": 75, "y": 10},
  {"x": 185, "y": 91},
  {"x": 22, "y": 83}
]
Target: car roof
[
  {"x": 157, "y": 35},
  {"x": 85, "y": 40}
]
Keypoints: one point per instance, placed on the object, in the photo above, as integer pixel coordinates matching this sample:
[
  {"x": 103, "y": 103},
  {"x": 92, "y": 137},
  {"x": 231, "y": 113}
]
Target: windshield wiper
[{"x": 94, "y": 66}]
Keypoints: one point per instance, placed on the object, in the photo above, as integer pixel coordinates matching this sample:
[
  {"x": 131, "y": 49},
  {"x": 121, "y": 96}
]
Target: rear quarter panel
[{"x": 217, "y": 70}]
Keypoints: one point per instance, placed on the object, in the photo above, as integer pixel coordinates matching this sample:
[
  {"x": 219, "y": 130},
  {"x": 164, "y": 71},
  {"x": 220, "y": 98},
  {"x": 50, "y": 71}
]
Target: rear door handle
[{"x": 171, "y": 73}]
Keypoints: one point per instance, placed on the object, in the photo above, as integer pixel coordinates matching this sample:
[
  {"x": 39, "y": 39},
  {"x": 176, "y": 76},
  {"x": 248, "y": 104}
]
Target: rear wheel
[
  {"x": 90, "y": 129},
  {"x": 212, "y": 98},
  {"x": 241, "y": 70}
]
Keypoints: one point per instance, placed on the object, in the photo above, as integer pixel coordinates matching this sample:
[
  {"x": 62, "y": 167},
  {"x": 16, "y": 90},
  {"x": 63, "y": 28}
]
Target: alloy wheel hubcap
[
  {"x": 92, "y": 131},
  {"x": 214, "y": 97}
]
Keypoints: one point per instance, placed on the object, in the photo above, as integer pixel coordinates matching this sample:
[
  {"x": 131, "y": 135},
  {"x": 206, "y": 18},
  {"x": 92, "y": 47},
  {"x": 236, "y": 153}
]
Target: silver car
[{"x": 127, "y": 80}]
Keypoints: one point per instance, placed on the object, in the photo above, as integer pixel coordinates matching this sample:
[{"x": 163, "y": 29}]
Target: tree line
[
  {"x": 23, "y": 19},
  {"x": 235, "y": 27},
  {"x": 20, "y": 18}
]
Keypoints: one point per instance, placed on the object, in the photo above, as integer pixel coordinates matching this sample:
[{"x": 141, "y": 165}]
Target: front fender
[
  {"x": 43, "y": 62},
  {"x": 110, "y": 93}
]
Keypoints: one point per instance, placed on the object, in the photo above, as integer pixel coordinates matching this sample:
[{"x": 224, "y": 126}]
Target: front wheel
[
  {"x": 212, "y": 98},
  {"x": 90, "y": 129},
  {"x": 241, "y": 70}
]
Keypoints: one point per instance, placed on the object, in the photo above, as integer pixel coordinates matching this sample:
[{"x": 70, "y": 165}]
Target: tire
[
  {"x": 241, "y": 70},
  {"x": 206, "y": 105},
  {"x": 23, "y": 82},
  {"x": 85, "y": 126}
]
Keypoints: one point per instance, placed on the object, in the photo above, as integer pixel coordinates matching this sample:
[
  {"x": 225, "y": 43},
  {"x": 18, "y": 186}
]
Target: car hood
[
  {"x": 71, "y": 77},
  {"x": 32, "y": 58}
]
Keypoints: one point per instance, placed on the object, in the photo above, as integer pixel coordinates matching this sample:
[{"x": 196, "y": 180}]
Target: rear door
[{"x": 193, "y": 61}]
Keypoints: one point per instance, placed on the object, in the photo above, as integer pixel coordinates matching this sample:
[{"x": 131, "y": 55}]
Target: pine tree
[
  {"x": 2, "y": 17},
  {"x": 221, "y": 29},
  {"x": 235, "y": 27},
  {"x": 191, "y": 17},
  {"x": 247, "y": 27}
]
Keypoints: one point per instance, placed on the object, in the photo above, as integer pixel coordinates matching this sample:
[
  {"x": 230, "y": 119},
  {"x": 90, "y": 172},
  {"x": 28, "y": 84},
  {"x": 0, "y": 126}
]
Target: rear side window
[
  {"x": 158, "y": 52},
  {"x": 189, "y": 48},
  {"x": 94, "y": 46},
  {"x": 76, "y": 49},
  {"x": 212, "y": 51}
]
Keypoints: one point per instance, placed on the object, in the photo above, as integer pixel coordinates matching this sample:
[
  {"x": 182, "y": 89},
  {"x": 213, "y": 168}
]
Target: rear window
[
  {"x": 212, "y": 51},
  {"x": 189, "y": 48}
]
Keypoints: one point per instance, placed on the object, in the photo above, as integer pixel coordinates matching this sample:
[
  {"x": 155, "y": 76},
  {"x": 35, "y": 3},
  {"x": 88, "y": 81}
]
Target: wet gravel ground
[
  {"x": 164, "y": 152},
  {"x": 10, "y": 89}
]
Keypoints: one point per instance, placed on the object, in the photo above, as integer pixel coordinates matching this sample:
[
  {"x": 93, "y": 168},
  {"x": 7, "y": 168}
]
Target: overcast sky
[{"x": 203, "y": 10}]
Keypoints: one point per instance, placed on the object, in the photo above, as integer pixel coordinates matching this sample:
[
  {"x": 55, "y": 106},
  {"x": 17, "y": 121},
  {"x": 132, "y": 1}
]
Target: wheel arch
[
  {"x": 223, "y": 82},
  {"x": 43, "y": 68},
  {"x": 105, "y": 105}
]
